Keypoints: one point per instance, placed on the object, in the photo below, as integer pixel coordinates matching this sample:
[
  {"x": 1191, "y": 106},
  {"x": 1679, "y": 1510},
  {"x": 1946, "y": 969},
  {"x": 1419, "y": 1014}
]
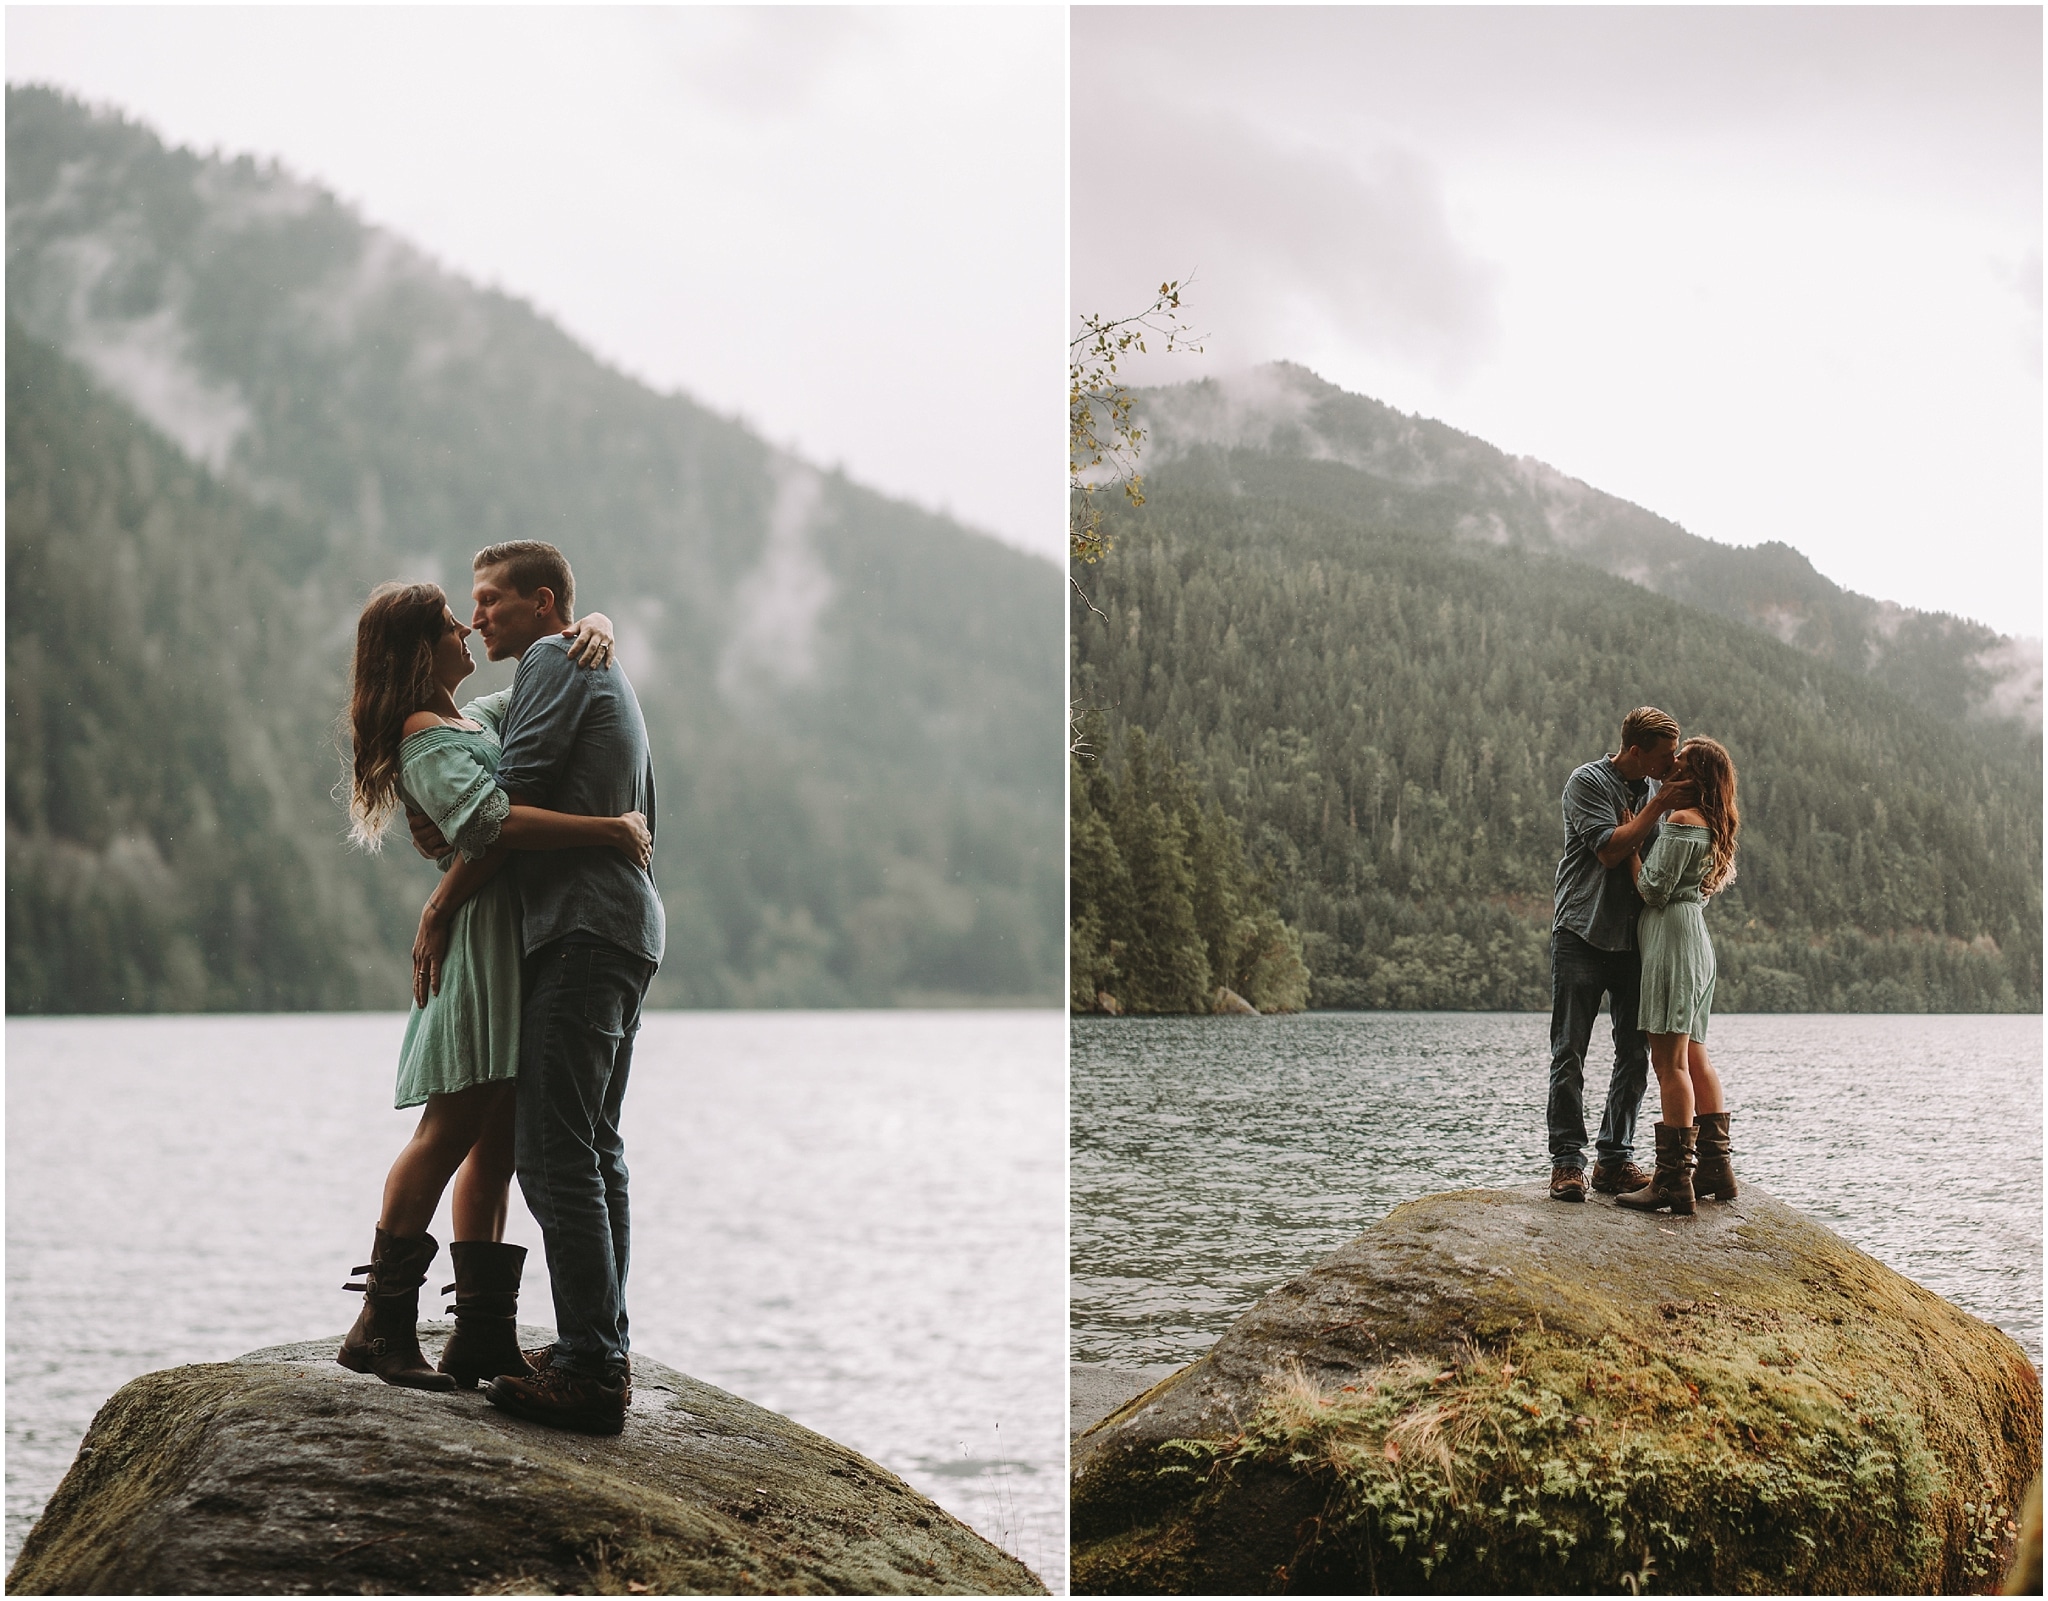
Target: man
[
  {"x": 592, "y": 930},
  {"x": 1609, "y": 816}
]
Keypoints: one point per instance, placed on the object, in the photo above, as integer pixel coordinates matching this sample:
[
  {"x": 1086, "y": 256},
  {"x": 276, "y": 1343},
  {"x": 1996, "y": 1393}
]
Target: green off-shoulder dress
[
  {"x": 1677, "y": 994},
  {"x": 468, "y": 1033}
]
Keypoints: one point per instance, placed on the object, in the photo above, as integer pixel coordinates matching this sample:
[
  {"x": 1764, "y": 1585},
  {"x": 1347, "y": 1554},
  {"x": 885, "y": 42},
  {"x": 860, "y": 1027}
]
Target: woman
[
  {"x": 413, "y": 747},
  {"x": 1693, "y": 857}
]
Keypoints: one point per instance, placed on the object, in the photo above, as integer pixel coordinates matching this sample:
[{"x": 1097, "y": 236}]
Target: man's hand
[
  {"x": 426, "y": 837},
  {"x": 429, "y": 951},
  {"x": 1631, "y": 834}
]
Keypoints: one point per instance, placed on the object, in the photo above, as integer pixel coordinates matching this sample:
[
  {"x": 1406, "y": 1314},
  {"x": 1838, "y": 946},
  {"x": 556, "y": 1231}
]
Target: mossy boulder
[
  {"x": 1489, "y": 1391},
  {"x": 282, "y": 1473}
]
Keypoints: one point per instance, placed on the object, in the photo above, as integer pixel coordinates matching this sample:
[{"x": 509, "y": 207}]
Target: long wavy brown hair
[
  {"x": 1712, "y": 770},
  {"x": 391, "y": 676}
]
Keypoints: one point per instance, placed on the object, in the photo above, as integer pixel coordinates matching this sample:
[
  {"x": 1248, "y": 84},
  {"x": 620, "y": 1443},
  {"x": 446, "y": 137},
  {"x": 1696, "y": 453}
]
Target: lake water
[
  {"x": 1214, "y": 1158},
  {"x": 855, "y": 1219}
]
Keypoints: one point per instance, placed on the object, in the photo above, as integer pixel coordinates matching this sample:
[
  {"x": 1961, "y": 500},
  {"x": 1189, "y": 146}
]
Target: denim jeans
[
  {"x": 1579, "y": 975},
  {"x": 581, "y": 1011}
]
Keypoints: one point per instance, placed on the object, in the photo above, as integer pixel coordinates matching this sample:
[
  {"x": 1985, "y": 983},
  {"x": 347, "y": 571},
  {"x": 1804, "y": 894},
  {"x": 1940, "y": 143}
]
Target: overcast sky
[
  {"x": 1771, "y": 273},
  {"x": 847, "y": 225}
]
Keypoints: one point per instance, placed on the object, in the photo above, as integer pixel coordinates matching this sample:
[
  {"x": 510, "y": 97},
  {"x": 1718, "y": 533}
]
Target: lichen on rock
[
  {"x": 1491, "y": 1392},
  {"x": 283, "y": 1473}
]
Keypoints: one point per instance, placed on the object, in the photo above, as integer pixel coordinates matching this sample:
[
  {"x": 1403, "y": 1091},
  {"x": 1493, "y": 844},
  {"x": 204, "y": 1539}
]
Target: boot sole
[
  {"x": 469, "y": 1381},
  {"x": 428, "y": 1379},
  {"x": 1675, "y": 1209},
  {"x": 424, "y": 1380}
]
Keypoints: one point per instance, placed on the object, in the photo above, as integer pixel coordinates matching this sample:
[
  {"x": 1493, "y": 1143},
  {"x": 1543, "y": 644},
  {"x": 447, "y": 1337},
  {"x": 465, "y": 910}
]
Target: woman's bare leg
[
  {"x": 1674, "y": 1084},
  {"x": 448, "y": 1127},
  {"x": 1706, "y": 1083},
  {"x": 483, "y": 1184}
]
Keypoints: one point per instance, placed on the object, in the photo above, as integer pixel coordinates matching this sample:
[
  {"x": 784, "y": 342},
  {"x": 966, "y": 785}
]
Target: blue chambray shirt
[
  {"x": 1599, "y": 904},
  {"x": 574, "y": 741}
]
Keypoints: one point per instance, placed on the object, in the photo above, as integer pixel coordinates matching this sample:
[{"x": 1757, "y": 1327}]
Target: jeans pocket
[{"x": 609, "y": 998}]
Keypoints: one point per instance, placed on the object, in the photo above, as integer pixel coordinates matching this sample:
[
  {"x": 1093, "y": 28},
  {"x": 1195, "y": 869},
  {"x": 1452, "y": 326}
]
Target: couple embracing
[
  {"x": 1649, "y": 837},
  {"x": 531, "y": 961}
]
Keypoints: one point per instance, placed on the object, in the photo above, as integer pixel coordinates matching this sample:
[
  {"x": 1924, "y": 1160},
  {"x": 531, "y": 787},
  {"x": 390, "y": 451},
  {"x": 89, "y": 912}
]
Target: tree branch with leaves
[{"x": 1103, "y": 435}]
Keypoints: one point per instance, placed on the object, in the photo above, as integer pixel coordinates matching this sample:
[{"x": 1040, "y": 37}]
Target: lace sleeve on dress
[
  {"x": 456, "y": 790},
  {"x": 480, "y": 832}
]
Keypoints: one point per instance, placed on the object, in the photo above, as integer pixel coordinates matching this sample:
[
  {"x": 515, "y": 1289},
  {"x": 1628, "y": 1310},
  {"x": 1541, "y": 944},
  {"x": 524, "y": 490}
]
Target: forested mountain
[
  {"x": 233, "y": 407},
  {"x": 1389, "y": 710},
  {"x": 1436, "y": 479}
]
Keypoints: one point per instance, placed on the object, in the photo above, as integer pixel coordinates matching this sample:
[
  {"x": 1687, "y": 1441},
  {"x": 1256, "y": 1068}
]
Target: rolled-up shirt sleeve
[
  {"x": 1589, "y": 813},
  {"x": 539, "y": 730}
]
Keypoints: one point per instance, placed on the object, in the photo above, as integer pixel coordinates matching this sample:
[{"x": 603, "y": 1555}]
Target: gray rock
[
  {"x": 1099, "y": 1388},
  {"x": 1228, "y": 1003},
  {"x": 282, "y": 1473},
  {"x": 1489, "y": 1391}
]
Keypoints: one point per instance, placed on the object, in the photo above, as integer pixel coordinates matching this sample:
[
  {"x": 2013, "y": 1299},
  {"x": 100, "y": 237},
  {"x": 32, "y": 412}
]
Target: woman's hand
[
  {"x": 636, "y": 839},
  {"x": 429, "y": 950},
  {"x": 426, "y": 836},
  {"x": 591, "y": 641}
]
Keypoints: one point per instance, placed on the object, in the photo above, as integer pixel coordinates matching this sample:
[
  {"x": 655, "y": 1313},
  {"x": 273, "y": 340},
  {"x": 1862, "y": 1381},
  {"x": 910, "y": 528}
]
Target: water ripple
[{"x": 1214, "y": 1158}]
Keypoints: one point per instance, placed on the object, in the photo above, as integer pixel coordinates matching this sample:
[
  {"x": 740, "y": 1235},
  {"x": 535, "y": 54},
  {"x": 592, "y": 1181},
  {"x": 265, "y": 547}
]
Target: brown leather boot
[
  {"x": 540, "y": 1358},
  {"x": 485, "y": 1343},
  {"x": 386, "y": 1338},
  {"x": 560, "y": 1400},
  {"x": 1567, "y": 1184},
  {"x": 1618, "y": 1177},
  {"x": 1672, "y": 1185},
  {"x": 1715, "y": 1179}
]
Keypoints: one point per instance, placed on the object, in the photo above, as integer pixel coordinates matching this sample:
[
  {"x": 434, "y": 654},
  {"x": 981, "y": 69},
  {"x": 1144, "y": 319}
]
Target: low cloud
[
  {"x": 760, "y": 62},
  {"x": 2015, "y": 690},
  {"x": 777, "y": 606},
  {"x": 1252, "y": 409},
  {"x": 1293, "y": 248},
  {"x": 2023, "y": 278},
  {"x": 145, "y": 357}
]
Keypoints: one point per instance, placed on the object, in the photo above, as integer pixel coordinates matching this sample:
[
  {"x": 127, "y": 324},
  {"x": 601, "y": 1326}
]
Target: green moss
[
  {"x": 1562, "y": 1466},
  {"x": 1496, "y": 1394}
]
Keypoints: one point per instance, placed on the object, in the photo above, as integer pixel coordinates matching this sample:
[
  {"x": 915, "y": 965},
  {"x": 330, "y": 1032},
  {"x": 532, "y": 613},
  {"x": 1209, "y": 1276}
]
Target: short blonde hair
[
  {"x": 1646, "y": 726},
  {"x": 531, "y": 564}
]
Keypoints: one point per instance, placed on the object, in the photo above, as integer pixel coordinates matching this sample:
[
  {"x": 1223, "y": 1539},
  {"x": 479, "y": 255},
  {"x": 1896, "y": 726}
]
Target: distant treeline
[
  {"x": 1167, "y": 912},
  {"x": 1390, "y": 718}
]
